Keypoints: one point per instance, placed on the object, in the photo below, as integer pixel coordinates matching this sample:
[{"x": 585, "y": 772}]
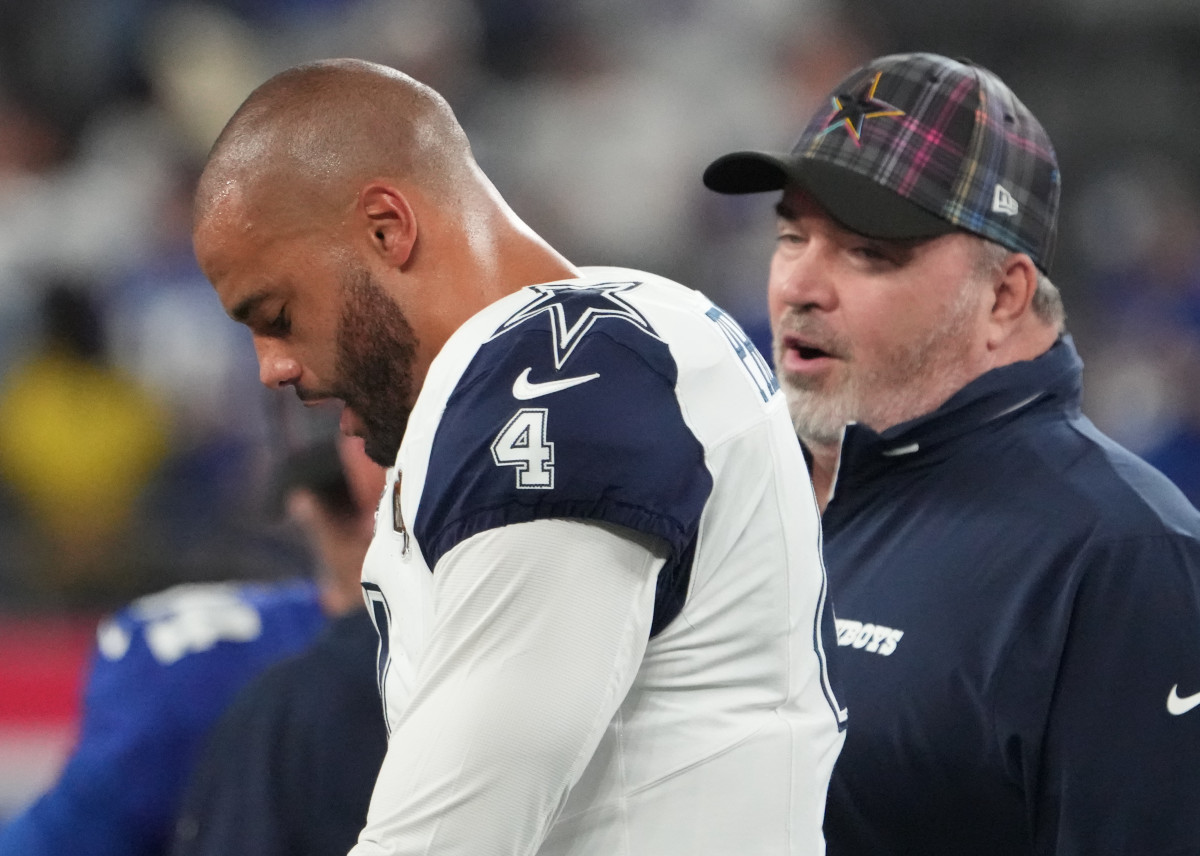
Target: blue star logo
[{"x": 574, "y": 310}]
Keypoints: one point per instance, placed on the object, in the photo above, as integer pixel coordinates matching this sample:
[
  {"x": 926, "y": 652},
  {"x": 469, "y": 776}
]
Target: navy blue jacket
[
  {"x": 291, "y": 765},
  {"x": 1018, "y": 610}
]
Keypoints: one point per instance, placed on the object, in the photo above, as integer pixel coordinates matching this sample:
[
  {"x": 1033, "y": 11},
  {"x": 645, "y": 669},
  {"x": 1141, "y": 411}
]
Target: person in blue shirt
[
  {"x": 163, "y": 670},
  {"x": 167, "y": 666},
  {"x": 1017, "y": 596}
]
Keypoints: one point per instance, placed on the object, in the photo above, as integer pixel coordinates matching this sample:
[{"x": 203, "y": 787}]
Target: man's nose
[
  {"x": 276, "y": 368},
  {"x": 803, "y": 278}
]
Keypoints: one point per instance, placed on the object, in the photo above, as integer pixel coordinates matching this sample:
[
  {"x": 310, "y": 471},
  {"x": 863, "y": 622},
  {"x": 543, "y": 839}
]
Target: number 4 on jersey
[{"x": 522, "y": 444}]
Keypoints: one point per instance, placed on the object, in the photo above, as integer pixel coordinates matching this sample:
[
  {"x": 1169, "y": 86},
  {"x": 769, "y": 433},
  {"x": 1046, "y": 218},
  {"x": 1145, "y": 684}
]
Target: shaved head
[
  {"x": 313, "y": 134},
  {"x": 342, "y": 218}
]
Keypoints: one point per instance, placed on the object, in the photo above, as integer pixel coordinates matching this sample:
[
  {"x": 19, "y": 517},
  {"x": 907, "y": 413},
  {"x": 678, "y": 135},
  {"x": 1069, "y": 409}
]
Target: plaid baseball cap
[{"x": 918, "y": 145}]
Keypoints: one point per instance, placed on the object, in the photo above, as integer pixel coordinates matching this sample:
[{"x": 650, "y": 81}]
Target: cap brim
[
  {"x": 748, "y": 172},
  {"x": 857, "y": 202}
]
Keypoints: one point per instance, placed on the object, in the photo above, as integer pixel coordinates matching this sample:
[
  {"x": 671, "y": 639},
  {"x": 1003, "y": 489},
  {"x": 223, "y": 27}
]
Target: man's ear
[
  {"x": 1013, "y": 288},
  {"x": 390, "y": 222}
]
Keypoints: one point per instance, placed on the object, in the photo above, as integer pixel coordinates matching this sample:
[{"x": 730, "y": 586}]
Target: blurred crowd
[{"x": 136, "y": 445}]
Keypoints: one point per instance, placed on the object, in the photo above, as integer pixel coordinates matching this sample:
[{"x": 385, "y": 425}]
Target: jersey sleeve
[
  {"x": 601, "y": 436},
  {"x": 1117, "y": 771},
  {"x": 539, "y": 632}
]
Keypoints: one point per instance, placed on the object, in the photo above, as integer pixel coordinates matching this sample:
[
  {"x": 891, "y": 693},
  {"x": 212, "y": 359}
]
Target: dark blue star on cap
[
  {"x": 574, "y": 309},
  {"x": 851, "y": 111}
]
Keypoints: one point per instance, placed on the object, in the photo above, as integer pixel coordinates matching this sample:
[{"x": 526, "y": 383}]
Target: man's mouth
[
  {"x": 804, "y": 356},
  {"x": 808, "y": 352},
  {"x": 311, "y": 397},
  {"x": 805, "y": 349}
]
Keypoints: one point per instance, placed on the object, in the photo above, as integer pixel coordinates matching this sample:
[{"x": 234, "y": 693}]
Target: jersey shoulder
[
  {"x": 199, "y": 639},
  {"x": 568, "y": 407}
]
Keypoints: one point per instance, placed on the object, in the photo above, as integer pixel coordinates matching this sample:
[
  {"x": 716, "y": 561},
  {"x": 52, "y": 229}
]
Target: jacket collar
[{"x": 1053, "y": 380}]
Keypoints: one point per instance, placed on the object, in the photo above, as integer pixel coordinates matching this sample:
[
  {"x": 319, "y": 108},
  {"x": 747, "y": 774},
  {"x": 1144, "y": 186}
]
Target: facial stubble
[
  {"x": 912, "y": 379},
  {"x": 376, "y": 352}
]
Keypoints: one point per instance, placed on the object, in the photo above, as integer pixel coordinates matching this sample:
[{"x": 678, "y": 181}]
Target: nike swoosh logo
[
  {"x": 525, "y": 389},
  {"x": 1177, "y": 706}
]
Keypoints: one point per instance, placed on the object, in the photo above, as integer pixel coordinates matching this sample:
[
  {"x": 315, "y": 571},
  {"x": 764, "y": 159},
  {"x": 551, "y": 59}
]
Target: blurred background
[{"x": 136, "y": 445}]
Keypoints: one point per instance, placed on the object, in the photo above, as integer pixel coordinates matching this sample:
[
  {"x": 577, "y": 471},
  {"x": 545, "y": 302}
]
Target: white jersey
[{"x": 597, "y": 580}]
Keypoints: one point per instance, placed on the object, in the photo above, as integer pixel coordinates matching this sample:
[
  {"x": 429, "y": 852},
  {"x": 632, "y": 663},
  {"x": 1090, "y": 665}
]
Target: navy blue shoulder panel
[{"x": 568, "y": 411}]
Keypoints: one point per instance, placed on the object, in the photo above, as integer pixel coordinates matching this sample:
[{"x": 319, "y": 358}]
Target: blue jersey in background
[{"x": 163, "y": 670}]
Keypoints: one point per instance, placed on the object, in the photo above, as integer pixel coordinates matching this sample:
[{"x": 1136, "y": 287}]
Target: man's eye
[
  {"x": 280, "y": 324},
  {"x": 870, "y": 252}
]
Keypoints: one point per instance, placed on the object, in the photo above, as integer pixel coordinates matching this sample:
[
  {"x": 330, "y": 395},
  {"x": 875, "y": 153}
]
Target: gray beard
[{"x": 915, "y": 378}]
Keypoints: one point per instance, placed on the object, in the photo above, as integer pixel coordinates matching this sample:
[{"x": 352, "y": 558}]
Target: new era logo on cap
[
  {"x": 915, "y": 145},
  {"x": 1003, "y": 202}
]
